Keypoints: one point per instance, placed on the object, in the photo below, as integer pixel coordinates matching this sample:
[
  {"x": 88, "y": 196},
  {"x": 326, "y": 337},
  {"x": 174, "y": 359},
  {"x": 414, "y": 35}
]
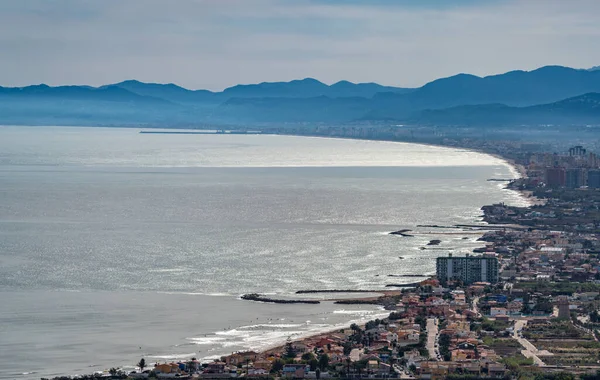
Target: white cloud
[{"x": 217, "y": 43}]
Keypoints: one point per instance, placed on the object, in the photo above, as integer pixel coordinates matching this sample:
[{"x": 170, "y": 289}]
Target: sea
[{"x": 117, "y": 245}]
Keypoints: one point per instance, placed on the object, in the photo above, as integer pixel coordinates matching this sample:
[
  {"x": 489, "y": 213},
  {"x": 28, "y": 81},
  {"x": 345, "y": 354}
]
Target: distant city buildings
[
  {"x": 556, "y": 176},
  {"x": 468, "y": 269},
  {"x": 575, "y": 178},
  {"x": 579, "y": 168},
  {"x": 578, "y": 151},
  {"x": 593, "y": 177}
]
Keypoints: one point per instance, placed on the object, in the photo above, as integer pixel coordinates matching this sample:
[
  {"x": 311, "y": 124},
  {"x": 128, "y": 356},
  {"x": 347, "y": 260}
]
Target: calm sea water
[{"x": 115, "y": 244}]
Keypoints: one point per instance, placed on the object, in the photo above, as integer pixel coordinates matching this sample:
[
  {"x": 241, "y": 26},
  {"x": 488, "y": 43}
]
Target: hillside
[
  {"x": 583, "y": 109},
  {"x": 309, "y": 88},
  {"x": 170, "y": 92},
  {"x": 515, "y": 88}
]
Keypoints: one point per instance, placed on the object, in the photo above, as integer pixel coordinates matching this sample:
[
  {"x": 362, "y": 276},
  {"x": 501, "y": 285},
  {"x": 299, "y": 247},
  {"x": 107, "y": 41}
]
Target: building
[
  {"x": 593, "y": 178},
  {"x": 556, "y": 176},
  {"x": 574, "y": 178},
  {"x": 577, "y": 151},
  {"x": 468, "y": 269},
  {"x": 295, "y": 371},
  {"x": 563, "y": 308},
  {"x": 592, "y": 160}
]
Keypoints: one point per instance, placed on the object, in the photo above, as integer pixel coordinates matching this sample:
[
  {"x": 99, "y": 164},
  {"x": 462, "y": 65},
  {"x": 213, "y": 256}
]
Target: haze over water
[{"x": 115, "y": 244}]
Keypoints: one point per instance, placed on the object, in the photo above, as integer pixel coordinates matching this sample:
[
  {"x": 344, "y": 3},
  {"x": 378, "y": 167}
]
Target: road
[
  {"x": 474, "y": 309},
  {"x": 404, "y": 374},
  {"x": 530, "y": 351},
  {"x": 432, "y": 337}
]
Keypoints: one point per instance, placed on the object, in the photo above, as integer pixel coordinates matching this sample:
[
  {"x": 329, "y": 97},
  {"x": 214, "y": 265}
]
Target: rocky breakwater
[
  {"x": 404, "y": 233},
  {"x": 261, "y": 298}
]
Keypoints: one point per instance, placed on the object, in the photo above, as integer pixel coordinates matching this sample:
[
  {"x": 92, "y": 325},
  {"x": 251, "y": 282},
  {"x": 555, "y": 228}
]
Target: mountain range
[{"x": 548, "y": 95}]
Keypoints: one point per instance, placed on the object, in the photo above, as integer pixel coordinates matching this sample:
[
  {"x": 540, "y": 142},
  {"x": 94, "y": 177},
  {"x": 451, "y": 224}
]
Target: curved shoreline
[
  {"x": 506, "y": 161},
  {"x": 517, "y": 170}
]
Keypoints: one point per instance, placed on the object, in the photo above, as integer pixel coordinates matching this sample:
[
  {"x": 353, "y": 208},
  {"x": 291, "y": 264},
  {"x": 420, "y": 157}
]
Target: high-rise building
[
  {"x": 556, "y": 176},
  {"x": 468, "y": 269},
  {"x": 574, "y": 178},
  {"x": 577, "y": 151},
  {"x": 592, "y": 160},
  {"x": 593, "y": 178}
]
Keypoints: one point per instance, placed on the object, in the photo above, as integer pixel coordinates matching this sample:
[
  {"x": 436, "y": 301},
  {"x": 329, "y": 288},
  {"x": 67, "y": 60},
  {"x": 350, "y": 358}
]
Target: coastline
[
  {"x": 358, "y": 296},
  {"x": 518, "y": 169}
]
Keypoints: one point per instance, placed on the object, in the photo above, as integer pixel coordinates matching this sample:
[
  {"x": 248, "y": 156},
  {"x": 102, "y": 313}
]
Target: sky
[{"x": 214, "y": 44}]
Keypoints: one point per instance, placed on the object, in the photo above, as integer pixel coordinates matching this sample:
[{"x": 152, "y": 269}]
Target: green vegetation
[
  {"x": 558, "y": 288},
  {"x": 513, "y": 363},
  {"x": 555, "y": 376},
  {"x": 277, "y": 366},
  {"x": 494, "y": 342},
  {"x": 444, "y": 346},
  {"x": 290, "y": 351},
  {"x": 493, "y": 325},
  {"x": 555, "y": 330},
  {"x": 323, "y": 362}
]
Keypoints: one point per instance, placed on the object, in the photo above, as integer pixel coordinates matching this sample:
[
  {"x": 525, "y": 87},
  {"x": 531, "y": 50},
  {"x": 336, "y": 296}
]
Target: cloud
[{"x": 217, "y": 43}]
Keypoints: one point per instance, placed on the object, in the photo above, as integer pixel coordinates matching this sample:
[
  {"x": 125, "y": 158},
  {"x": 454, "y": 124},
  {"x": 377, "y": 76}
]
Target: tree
[
  {"x": 314, "y": 364},
  {"x": 347, "y": 348},
  {"x": 113, "y": 371},
  {"x": 290, "y": 351},
  {"x": 318, "y": 373},
  {"x": 142, "y": 364},
  {"x": 307, "y": 356},
  {"x": 323, "y": 361},
  {"x": 277, "y": 365}
]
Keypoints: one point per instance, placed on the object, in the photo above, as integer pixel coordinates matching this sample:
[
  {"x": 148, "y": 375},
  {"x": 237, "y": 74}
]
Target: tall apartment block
[{"x": 468, "y": 269}]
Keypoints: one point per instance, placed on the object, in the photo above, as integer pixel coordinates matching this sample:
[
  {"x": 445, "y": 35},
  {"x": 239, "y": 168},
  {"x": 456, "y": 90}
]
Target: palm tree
[{"x": 142, "y": 364}]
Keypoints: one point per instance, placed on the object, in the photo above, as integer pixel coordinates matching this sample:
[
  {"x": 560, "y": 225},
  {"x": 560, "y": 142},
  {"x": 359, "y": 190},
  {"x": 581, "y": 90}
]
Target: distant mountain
[
  {"x": 461, "y": 98},
  {"x": 81, "y": 105},
  {"x": 594, "y": 68},
  {"x": 364, "y": 90},
  {"x": 309, "y": 88},
  {"x": 291, "y": 110},
  {"x": 170, "y": 92},
  {"x": 304, "y": 88},
  {"x": 515, "y": 88},
  {"x": 582, "y": 109},
  {"x": 42, "y": 91}
]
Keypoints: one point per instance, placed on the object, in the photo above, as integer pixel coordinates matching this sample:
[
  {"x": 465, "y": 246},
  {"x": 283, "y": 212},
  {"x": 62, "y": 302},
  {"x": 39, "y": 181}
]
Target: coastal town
[{"x": 523, "y": 306}]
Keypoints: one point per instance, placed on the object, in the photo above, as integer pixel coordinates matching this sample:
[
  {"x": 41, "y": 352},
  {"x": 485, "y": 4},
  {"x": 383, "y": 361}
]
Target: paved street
[
  {"x": 530, "y": 351},
  {"x": 432, "y": 336}
]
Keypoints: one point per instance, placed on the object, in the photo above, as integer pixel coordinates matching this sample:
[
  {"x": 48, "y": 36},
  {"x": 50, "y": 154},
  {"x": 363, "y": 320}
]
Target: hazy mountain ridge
[
  {"x": 168, "y": 91},
  {"x": 109, "y": 93},
  {"x": 515, "y": 88},
  {"x": 511, "y": 97},
  {"x": 309, "y": 88},
  {"x": 580, "y": 109}
]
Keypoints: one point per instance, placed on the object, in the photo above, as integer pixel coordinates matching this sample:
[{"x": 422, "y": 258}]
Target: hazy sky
[{"x": 217, "y": 43}]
